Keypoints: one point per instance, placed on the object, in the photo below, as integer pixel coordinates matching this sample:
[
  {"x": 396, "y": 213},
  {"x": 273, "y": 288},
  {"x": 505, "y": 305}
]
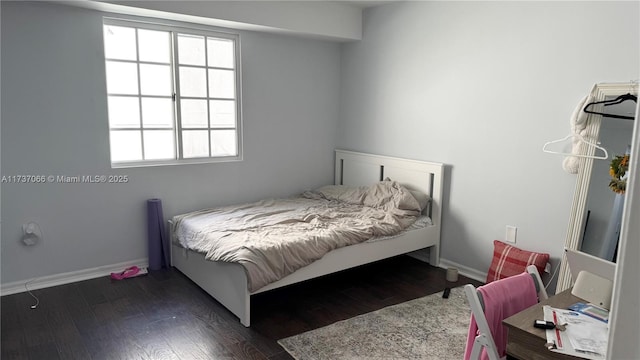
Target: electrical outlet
[
  {"x": 511, "y": 234},
  {"x": 31, "y": 233}
]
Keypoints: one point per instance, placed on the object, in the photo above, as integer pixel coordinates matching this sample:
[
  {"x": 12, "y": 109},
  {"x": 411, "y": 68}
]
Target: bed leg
[
  {"x": 434, "y": 255},
  {"x": 245, "y": 319}
]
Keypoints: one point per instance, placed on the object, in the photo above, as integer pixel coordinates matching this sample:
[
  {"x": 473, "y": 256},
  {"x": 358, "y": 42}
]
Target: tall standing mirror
[{"x": 596, "y": 213}]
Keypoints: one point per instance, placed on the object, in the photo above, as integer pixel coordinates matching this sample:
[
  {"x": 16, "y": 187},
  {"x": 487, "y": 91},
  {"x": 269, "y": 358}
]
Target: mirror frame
[{"x": 578, "y": 208}]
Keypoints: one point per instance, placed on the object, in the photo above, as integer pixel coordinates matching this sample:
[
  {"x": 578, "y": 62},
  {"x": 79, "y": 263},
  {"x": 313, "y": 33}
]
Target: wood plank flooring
[{"x": 164, "y": 315}]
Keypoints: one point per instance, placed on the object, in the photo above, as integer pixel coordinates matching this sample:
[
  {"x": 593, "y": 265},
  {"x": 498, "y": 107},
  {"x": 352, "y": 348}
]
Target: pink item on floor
[{"x": 127, "y": 273}]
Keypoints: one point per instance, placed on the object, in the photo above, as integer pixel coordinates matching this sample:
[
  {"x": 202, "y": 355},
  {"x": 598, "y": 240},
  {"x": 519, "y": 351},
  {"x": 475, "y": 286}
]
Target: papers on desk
[{"x": 584, "y": 336}]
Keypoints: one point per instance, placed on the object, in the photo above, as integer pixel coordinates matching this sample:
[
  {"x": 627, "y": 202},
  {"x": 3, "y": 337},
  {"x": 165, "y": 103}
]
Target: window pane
[
  {"x": 125, "y": 145},
  {"x": 122, "y": 78},
  {"x": 124, "y": 112},
  {"x": 195, "y": 143},
  {"x": 193, "y": 82},
  {"x": 154, "y": 71},
  {"x": 157, "y": 112},
  {"x": 158, "y": 144},
  {"x": 223, "y": 113},
  {"x": 190, "y": 49},
  {"x": 154, "y": 46},
  {"x": 221, "y": 83},
  {"x": 119, "y": 42},
  {"x": 155, "y": 79},
  {"x": 194, "y": 113},
  {"x": 220, "y": 53},
  {"x": 223, "y": 143}
]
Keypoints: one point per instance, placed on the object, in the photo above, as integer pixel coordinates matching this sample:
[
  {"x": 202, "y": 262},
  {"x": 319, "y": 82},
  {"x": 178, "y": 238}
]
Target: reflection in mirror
[
  {"x": 604, "y": 206},
  {"x": 589, "y": 219}
]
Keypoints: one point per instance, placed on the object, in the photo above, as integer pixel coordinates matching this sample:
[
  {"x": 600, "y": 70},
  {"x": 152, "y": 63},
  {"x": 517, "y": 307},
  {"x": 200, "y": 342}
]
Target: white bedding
[{"x": 274, "y": 238}]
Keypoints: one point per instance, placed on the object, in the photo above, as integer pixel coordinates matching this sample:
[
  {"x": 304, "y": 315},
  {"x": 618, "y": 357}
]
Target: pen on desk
[{"x": 555, "y": 320}]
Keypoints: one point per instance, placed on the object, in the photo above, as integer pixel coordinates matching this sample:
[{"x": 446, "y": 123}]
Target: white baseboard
[
  {"x": 42, "y": 282},
  {"x": 464, "y": 270}
]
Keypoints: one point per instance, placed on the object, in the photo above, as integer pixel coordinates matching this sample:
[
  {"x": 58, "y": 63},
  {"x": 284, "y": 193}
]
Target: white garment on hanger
[{"x": 578, "y": 122}]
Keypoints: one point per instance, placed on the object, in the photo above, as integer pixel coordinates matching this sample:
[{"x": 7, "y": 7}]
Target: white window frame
[{"x": 174, "y": 30}]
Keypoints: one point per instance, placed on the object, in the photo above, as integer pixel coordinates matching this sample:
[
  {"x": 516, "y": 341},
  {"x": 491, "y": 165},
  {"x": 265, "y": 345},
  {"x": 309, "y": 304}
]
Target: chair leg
[{"x": 476, "y": 349}]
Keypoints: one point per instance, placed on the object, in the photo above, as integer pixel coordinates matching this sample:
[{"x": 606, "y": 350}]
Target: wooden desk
[{"x": 528, "y": 343}]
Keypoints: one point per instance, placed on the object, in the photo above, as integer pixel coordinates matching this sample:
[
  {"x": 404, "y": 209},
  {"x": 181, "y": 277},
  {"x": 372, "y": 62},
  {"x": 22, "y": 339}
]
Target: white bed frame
[{"x": 227, "y": 282}]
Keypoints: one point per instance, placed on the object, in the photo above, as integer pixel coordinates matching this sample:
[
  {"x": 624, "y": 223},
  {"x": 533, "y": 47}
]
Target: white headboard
[{"x": 354, "y": 168}]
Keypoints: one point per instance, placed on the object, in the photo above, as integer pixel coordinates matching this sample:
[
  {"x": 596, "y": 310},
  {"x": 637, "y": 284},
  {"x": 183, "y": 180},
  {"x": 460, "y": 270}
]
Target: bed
[{"x": 228, "y": 282}]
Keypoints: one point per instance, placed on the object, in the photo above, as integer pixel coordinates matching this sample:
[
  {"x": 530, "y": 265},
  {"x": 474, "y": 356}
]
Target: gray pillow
[{"x": 423, "y": 199}]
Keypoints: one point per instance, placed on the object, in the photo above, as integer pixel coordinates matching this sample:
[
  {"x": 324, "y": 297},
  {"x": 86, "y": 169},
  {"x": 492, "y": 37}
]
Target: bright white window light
[{"x": 172, "y": 94}]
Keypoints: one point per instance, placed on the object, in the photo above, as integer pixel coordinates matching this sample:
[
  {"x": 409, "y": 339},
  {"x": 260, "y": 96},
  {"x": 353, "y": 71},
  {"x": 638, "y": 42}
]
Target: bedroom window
[{"x": 172, "y": 94}]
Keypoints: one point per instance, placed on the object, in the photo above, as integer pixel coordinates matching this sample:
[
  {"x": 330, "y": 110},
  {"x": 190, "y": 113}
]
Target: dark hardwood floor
[{"x": 163, "y": 315}]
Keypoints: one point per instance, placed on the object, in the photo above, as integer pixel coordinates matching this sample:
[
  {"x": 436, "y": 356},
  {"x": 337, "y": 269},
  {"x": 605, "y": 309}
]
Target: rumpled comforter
[{"x": 273, "y": 238}]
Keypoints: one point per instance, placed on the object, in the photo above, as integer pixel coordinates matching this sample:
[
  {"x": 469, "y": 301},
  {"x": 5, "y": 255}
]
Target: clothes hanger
[
  {"x": 582, "y": 139},
  {"x": 618, "y": 100},
  {"x": 621, "y": 98}
]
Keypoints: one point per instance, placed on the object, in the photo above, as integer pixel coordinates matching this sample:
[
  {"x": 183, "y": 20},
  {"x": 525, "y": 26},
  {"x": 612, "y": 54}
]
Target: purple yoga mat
[{"x": 157, "y": 237}]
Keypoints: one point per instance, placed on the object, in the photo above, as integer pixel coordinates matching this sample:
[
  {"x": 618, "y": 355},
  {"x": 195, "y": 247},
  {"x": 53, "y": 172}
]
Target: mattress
[{"x": 273, "y": 238}]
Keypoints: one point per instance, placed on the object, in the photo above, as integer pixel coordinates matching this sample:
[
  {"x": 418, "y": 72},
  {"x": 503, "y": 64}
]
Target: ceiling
[{"x": 363, "y": 4}]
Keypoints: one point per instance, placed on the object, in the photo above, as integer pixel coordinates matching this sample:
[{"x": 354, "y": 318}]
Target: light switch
[{"x": 511, "y": 234}]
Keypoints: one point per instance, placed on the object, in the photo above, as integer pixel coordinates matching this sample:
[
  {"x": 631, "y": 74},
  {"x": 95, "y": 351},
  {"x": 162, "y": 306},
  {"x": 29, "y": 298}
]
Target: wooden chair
[{"x": 484, "y": 338}]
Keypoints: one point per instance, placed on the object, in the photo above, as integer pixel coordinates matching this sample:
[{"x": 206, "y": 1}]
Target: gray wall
[
  {"x": 481, "y": 86},
  {"x": 54, "y": 121}
]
